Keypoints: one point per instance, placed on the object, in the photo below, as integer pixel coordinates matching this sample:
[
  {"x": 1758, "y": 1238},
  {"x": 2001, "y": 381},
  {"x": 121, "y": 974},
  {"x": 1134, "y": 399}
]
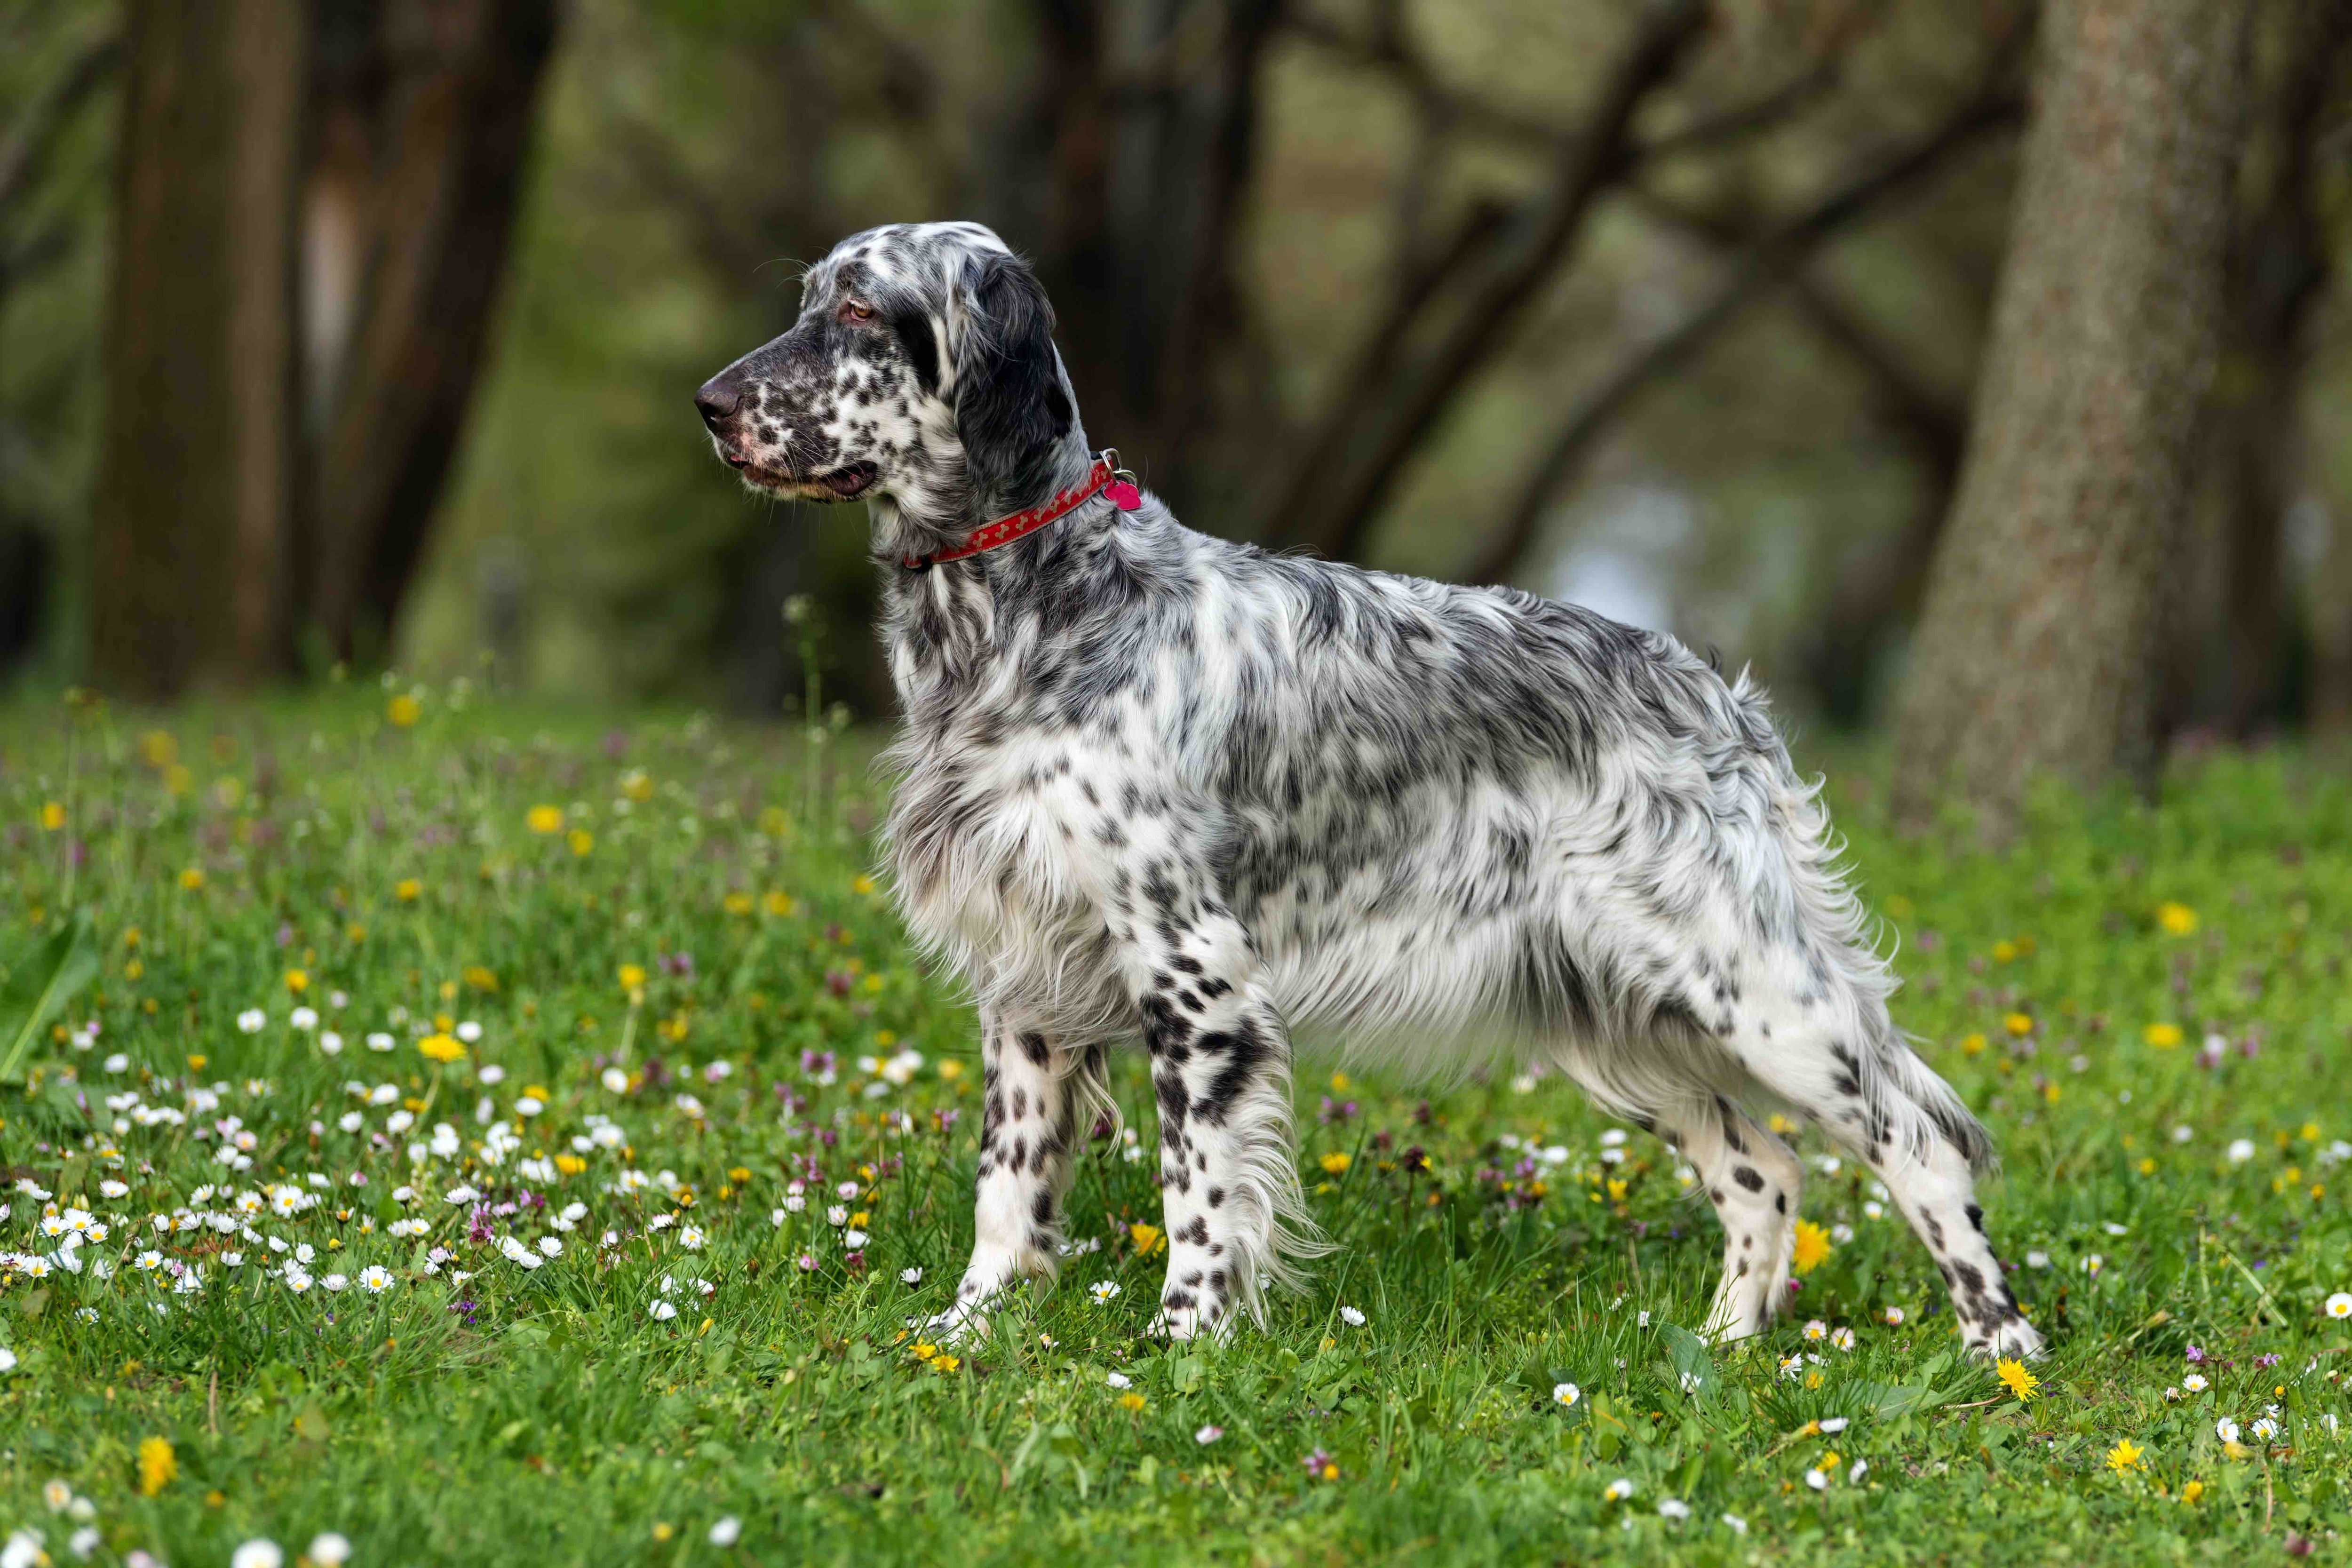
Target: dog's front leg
[
  {"x": 1221, "y": 1072},
  {"x": 1027, "y": 1132}
]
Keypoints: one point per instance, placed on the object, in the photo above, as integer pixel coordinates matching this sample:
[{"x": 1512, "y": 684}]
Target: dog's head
[{"x": 921, "y": 372}]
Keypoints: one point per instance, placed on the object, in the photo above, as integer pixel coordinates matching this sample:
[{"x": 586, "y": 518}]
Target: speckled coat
[{"x": 1158, "y": 789}]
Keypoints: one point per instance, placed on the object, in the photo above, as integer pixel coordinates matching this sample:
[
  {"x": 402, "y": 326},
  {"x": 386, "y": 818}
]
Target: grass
[{"x": 392, "y": 878}]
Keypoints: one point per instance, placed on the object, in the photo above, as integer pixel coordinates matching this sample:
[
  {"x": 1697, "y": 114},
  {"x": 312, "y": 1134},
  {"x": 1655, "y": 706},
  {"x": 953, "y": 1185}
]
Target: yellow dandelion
[
  {"x": 2125, "y": 1456},
  {"x": 861, "y": 883},
  {"x": 441, "y": 1048},
  {"x": 2004, "y": 952},
  {"x": 402, "y": 711},
  {"x": 2019, "y": 1024},
  {"x": 297, "y": 980},
  {"x": 633, "y": 976},
  {"x": 1812, "y": 1247},
  {"x": 2161, "y": 1037},
  {"x": 157, "y": 1466},
  {"x": 53, "y": 815},
  {"x": 1131, "y": 1401},
  {"x": 2192, "y": 1492},
  {"x": 581, "y": 842},
  {"x": 778, "y": 904},
  {"x": 636, "y": 786},
  {"x": 2016, "y": 1378},
  {"x": 736, "y": 903},
  {"x": 2177, "y": 918},
  {"x": 544, "y": 819},
  {"x": 1148, "y": 1238},
  {"x": 408, "y": 890},
  {"x": 1972, "y": 1045},
  {"x": 192, "y": 880},
  {"x": 1337, "y": 1161}
]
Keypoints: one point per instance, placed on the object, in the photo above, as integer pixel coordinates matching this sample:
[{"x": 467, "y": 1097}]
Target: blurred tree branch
[
  {"x": 1767, "y": 260},
  {"x": 1372, "y": 429},
  {"x": 35, "y": 136}
]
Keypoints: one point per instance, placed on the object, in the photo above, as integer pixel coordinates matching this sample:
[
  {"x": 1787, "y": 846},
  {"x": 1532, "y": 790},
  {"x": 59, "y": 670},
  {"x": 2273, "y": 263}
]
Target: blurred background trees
[{"x": 371, "y": 338}]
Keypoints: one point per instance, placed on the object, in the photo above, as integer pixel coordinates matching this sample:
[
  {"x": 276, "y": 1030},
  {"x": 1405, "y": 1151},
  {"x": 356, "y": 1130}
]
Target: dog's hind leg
[
  {"x": 1828, "y": 1048},
  {"x": 1027, "y": 1135}
]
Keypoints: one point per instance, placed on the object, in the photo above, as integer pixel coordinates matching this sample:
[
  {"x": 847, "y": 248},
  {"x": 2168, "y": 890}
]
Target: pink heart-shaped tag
[{"x": 1123, "y": 495}]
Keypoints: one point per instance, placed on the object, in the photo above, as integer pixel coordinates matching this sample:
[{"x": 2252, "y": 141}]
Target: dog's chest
[{"x": 984, "y": 841}]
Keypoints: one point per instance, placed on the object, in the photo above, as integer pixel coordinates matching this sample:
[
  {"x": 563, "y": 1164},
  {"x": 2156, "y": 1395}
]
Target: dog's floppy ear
[{"x": 1010, "y": 408}]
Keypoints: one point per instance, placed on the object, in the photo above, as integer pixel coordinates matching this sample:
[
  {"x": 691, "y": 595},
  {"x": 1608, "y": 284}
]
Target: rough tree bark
[
  {"x": 2037, "y": 652},
  {"x": 196, "y": 488},
  {"x": 448, "y": 113}
]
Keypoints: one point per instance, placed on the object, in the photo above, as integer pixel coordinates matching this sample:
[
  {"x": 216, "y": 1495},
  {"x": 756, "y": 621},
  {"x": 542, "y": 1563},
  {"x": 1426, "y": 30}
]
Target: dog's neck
[
  {"x": 944, "y": 624},
  {"x": 925, "y": 518}
]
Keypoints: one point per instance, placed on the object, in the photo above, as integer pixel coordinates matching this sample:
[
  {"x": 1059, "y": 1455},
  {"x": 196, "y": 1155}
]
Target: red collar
[{"x": 1105, "y": 478}]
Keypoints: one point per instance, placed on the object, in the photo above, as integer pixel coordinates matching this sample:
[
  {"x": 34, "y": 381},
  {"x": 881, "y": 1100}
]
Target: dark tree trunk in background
[
  {"x": 2278, "y": 271},
  {"x": 195, "y": 500},
  {"x": 425, "y": 121},
  {"x": 2038, "y": 648}
]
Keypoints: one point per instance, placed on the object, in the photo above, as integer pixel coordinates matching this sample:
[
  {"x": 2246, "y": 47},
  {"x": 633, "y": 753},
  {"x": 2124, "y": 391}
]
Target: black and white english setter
[{"x": 1159, "y": 786}]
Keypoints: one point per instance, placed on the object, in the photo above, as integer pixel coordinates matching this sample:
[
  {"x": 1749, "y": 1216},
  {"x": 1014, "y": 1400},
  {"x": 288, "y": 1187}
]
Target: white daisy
[
  {"x": 1103, "y": 1289},
  {"x": 1566, "y": 1393},
  {"x": 375, "y": 1280}
]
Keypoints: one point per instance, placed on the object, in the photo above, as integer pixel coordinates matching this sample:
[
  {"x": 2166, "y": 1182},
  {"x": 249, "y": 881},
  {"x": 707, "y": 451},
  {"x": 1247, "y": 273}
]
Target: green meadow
[{"x": 490, "y": 1135}]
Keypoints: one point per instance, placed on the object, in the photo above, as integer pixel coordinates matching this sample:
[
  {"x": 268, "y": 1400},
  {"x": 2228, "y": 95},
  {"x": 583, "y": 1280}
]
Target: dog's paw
[
  {"x": 962, "y": 1324},
  {"x": 1174, "y": 1324},
  {"x": 2014, "y": 1338}
]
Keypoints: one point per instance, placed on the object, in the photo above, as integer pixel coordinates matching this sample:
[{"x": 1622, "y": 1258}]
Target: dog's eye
[{"x": 856, "y": 311}]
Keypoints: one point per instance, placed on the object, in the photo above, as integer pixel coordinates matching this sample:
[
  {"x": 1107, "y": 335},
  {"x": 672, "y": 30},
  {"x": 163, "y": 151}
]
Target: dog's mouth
[{"x": 844, "y": 483}]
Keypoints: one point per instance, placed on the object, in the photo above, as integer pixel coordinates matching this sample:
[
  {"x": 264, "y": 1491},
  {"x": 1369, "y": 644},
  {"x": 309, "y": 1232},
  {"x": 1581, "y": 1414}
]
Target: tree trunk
[
  {"x": 2279, "y": 269},
  {"x": 444, "y": 108},
  {"x": 196, "y": 489},
  {"x": 2037, "y": 652}
]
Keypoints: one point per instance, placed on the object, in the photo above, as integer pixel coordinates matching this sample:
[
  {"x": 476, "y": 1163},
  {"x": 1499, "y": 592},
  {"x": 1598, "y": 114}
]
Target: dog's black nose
[{"x": 718, "y": 398}]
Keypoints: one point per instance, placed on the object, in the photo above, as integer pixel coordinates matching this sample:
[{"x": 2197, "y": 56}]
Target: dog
[{"x": 1160, "y": 787}]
